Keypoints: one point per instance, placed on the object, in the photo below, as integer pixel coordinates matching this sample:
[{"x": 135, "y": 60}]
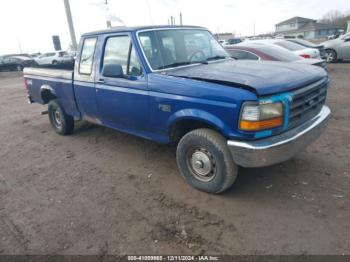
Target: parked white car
[
  {"x": 54, "y": 58},
  {"x": 294, "y": 47},
  {"x": 338, "y": 49}
]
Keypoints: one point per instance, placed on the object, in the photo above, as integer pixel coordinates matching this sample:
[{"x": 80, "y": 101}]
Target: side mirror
[{"x": 113, "y": 70}]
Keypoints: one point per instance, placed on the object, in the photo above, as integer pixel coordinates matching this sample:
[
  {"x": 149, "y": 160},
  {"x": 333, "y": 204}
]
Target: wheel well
[
  {"x": 47, "y": 96},
  {"x": 330, "y": 49},
  {"x": 182, "y": 127}
]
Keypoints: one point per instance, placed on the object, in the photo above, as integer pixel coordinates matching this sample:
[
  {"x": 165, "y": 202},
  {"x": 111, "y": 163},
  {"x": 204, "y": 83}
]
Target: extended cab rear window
[{"x": 87, "y": 55}]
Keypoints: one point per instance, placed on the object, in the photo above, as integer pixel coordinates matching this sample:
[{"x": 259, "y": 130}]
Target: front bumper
[{"x": 281, "y": 147}]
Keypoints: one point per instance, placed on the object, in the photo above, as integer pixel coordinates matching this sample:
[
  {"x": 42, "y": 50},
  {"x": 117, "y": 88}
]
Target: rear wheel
[
  {"x": 54, "y": 62},
  {"x": 331, "y": 56},
  {"x": 62, "y": 123},
  {"x": 19, "y": 68},
  {"x": 205, "y": 162}
]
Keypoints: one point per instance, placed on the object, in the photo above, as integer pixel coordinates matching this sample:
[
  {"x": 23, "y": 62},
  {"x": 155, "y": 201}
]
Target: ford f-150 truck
[{"x": 178, "y": 85}]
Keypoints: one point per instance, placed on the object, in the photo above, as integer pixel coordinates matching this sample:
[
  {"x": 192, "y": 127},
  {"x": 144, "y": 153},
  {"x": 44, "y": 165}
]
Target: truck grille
[{"x": 307, "y": 102}]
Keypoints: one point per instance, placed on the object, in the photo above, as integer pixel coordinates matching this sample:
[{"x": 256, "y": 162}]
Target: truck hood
[{"x": 260, "y": 77}]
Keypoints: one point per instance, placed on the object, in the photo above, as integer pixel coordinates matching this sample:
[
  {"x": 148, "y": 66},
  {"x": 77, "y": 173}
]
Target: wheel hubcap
[
  {"x": 202, "y": 164},
  {"x": 329, "y": 57},
  {"x": 57, "y": 118}
]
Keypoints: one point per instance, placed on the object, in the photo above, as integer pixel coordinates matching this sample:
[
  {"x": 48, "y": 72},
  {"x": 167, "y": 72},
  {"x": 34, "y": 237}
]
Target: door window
[
  {"x": 119, "y": 50},
  {"x": 87, "y": 55}
]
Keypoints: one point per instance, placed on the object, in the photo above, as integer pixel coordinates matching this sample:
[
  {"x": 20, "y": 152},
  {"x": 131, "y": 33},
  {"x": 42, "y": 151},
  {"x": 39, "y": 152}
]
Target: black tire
[
  {"x": 206, "y": 144},
  {"x": 54, "y": 62},
  {"x": 331, "y": 56},
  {"x": 62, "y": 123},
  {"x": 19, "y": 68}
]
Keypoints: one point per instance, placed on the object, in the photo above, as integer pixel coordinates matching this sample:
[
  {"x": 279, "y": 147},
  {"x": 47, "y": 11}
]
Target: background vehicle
[
  {"x": 259, "y": 51},
  {"x": 233, "y": 41},
  {"x": 293, "y": 47},
  {"x": 308, "y": 44},
  {"x": 220, "y": 112},
  {"x": 336, "y": 35},
  {"x": 223, "y": 42},
  {"x": 54, "y": 58},
  {"x": 338, "y": 49},
  {"x": 35, "y": 55},
  {"x": 15, "y": 63}
]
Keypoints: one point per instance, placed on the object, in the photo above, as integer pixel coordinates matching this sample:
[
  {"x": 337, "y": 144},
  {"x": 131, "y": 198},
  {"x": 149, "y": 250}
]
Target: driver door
[{"x": 122, "y": 101}]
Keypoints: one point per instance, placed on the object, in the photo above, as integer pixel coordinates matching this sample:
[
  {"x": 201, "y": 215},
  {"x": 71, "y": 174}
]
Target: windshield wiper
[
  {"x": 217, "y": 57},
  {"x": 174, "y": 65}
]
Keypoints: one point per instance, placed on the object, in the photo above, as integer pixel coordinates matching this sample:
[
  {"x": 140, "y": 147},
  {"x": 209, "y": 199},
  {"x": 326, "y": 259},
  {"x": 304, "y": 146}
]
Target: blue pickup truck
[{"x": 178, "y": 85}]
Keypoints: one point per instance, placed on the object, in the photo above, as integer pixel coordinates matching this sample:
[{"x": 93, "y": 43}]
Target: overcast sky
[{"x": 29, "y": 25}]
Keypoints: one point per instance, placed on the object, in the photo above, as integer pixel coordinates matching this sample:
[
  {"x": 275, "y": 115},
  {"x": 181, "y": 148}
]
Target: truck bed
[
  {"x": 48, "y": 72},
  {"x": 44, "y": 82}
]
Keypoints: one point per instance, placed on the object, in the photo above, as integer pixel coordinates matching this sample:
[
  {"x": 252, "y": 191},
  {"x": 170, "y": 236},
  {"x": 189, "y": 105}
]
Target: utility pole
[
  {"x": 19, "y": 45},
  {"x": 180, "y": 19},
  {"x": 149, "y": 11},
  {"x": 109, "y": 25},
  {"x": 70, "y": 24}
]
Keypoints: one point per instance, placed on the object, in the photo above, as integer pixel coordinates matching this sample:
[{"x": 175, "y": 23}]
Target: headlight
[{"x": 255, "y": 117}]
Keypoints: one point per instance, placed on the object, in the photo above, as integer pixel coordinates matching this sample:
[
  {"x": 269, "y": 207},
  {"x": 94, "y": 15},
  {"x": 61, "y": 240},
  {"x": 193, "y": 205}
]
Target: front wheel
[
  {"x": 205, "y": 161},
  {"x": 331, "y": 56},
  {"x": 62, "y": 123}
]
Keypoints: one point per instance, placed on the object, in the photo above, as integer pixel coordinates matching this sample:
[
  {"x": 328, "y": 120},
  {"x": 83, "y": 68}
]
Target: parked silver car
[{"x": 338, "y": 49}]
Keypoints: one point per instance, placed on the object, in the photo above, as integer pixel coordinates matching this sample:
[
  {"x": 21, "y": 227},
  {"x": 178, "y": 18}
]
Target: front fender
[{"x": 198, "y": 115}]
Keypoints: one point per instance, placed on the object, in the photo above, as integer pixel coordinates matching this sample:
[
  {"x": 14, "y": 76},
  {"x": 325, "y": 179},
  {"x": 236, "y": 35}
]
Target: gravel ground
[{"x": 100, "y": 191}]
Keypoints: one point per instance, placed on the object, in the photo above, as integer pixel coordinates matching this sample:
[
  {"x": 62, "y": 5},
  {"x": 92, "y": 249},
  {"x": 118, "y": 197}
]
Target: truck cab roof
[{"x": 119, "y": 29}]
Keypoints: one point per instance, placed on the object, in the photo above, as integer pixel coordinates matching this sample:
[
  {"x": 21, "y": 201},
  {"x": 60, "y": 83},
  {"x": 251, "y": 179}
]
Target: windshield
[
  {"x": 290, "y": 45},
  {"x": 177, "y": 47}
]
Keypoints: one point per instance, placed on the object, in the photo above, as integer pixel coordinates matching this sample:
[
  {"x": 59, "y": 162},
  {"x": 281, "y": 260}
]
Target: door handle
[{"x": 100, "y": 81}]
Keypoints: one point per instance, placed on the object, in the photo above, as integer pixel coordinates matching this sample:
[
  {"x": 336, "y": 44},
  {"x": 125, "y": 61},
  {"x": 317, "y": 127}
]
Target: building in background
[
  {"x": 224, "y": 36},
  {"x": 305, "y": 28}
]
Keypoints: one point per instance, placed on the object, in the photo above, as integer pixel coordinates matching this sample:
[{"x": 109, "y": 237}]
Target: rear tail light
[
  {"x": 25, "y": 83},
  {"x": 305, "y": 56}
]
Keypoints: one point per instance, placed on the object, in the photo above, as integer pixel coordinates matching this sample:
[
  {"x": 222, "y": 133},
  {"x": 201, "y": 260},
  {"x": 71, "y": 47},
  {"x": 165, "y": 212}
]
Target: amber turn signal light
[{"x": 260, "y": 125}]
